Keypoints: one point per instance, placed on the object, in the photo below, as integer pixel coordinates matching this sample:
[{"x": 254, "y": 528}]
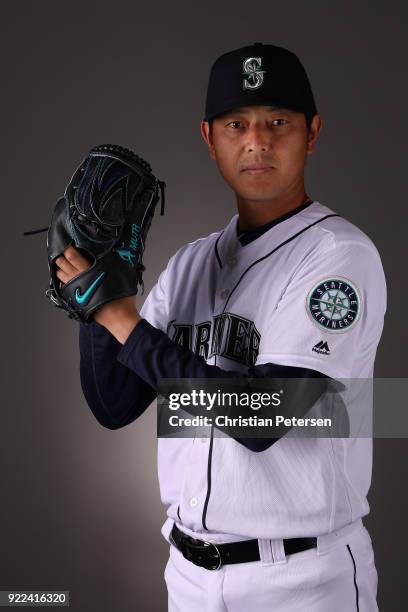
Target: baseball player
[{"x": 289, "y": 288}]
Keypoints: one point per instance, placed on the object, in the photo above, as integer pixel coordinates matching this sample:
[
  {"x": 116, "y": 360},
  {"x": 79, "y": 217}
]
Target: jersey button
[
  {"x": 224, "y": 294},
  {"x": 193, "y": 502}
]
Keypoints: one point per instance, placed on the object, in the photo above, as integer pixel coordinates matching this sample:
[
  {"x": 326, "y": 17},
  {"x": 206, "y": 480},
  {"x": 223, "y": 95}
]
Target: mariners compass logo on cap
[{"x": 253, "y": 75}]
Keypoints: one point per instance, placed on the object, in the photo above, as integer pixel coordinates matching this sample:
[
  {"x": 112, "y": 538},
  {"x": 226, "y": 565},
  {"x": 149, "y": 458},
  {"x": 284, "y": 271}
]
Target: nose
[{"x": 258, "y": 138}]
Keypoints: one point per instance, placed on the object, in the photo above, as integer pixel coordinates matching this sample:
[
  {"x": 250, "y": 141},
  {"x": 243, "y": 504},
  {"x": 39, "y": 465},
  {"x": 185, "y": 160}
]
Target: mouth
[{"x": 257, "y": 169}]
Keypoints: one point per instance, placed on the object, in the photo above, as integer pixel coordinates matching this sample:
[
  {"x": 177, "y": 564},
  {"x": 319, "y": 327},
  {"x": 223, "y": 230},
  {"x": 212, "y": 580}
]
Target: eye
[
  {"x": 231, "y": 123},
  {"x": 283, "y": 120}
]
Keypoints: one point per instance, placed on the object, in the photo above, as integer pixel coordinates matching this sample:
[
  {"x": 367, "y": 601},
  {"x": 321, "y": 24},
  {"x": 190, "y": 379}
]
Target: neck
[{"x": 253, "y": 213}]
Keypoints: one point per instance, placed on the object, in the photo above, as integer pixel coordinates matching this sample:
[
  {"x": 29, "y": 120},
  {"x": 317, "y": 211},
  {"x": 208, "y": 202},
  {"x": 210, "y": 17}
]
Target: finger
[
  {"x": 66, "y": 266},
  {"x": 64, "y": 278},
  {"x": 76, "y": 259}
]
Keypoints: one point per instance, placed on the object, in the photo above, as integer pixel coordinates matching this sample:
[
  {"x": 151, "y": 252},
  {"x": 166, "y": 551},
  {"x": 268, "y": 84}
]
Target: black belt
[{"x": 212, "y": 556}]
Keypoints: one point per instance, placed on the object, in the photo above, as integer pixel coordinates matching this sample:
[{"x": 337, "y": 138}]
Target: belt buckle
[
  {"x": 217, "y": 555},
  {"x": 201, "y": 561}
]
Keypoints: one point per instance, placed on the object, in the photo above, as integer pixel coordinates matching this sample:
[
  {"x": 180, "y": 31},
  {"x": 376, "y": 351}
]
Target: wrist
[{"x": 119, "y": 317}]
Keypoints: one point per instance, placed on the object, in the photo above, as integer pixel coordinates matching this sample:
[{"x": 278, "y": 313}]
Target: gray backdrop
[{"x": 80, "y": 505}]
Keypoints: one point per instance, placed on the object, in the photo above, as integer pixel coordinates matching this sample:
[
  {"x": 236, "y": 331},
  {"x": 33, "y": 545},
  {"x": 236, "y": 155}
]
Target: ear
[
  {"x": 315, "y": 128},
  {"x": 205, "y": 133}
]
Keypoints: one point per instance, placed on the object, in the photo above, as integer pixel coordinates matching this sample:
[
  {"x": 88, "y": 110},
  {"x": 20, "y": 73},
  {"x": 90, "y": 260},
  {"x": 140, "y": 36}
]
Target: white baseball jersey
[{"x": 309, "y": 292}]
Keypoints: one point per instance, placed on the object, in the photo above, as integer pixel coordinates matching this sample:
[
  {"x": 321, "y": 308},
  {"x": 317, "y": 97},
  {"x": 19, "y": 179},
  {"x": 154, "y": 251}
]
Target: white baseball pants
[{"x": 337, "y": 576}]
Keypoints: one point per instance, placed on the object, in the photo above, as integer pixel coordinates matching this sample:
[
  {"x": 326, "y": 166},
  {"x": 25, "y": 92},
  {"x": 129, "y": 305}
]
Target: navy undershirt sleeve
[
  {"x": 115, "y": 394},
  {"x": 120, "y": 381}
]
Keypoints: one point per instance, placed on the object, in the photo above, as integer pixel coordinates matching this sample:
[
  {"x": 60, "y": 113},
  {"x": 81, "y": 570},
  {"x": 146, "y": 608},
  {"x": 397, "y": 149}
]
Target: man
[{"x": 289, "y": 289}]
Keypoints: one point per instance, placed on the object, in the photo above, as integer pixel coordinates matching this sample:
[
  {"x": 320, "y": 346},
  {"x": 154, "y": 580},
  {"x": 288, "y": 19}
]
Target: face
[{"x": 261, "y": 151}]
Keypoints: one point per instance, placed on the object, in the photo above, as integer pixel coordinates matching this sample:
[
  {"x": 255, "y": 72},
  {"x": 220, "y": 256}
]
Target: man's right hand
[{"x": 70, "y": 264}]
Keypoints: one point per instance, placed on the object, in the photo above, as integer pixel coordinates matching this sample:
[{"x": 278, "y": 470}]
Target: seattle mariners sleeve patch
[{"x": 334, "y": 304}]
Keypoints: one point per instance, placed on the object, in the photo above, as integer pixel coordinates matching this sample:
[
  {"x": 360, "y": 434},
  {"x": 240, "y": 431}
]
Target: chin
[
  {"x": 260, "y": 184},
  {"x": 259, "y": 192},
  {"x": 259, "y": 198}
]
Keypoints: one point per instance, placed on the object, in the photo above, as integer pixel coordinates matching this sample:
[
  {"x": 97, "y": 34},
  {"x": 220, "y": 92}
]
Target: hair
[
  {"x": 308, "y": 117},
  {"x": 210, "y": 127}
]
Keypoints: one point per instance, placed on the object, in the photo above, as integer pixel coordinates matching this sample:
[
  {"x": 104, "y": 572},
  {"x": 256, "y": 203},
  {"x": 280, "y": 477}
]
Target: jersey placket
[{"x": 194, "y": 490}]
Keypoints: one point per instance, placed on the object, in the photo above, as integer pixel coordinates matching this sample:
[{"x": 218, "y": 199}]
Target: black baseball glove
[{"x": 105, "y": 213}]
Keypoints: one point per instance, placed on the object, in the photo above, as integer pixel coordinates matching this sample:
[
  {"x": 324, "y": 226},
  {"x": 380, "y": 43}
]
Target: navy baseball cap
[{"x": 258, "y": 74}]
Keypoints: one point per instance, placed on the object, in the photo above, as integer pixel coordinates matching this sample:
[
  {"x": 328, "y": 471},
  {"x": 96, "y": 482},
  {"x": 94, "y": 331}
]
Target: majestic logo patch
[
  {"x": 321, "y": 348},
  {"x": 334, "y": 304},
  {"x": 253, "y": 75}
]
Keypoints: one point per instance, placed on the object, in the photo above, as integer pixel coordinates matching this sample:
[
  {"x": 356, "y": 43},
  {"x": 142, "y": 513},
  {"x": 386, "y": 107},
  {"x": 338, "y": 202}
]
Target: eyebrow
[{"x": 244, "y": 109}]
